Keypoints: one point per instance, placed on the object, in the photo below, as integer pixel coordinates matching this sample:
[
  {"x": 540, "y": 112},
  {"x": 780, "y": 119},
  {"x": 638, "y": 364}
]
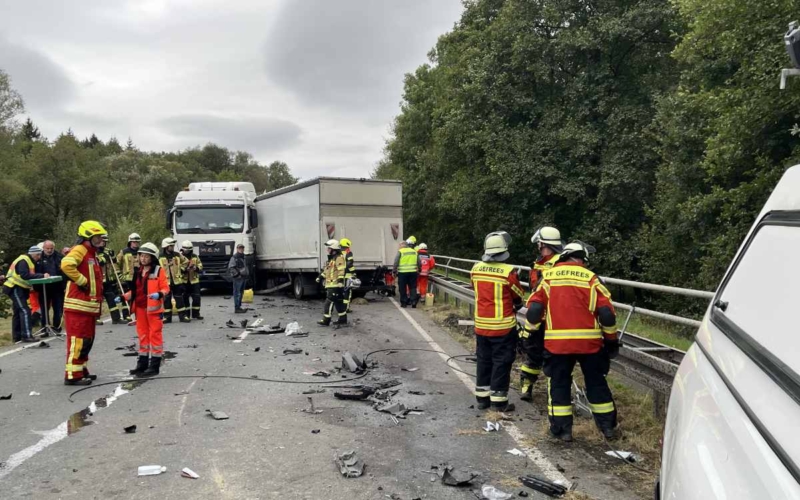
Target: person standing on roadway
[
  {"x": 107, "y": 261},
  {"x": 426, "y": 265},
  {"x": 406, "y": 268},
  {"x": 350, "y": 270},
  {"x": 16, "y": 286},
  {"x": 193, "y": 270},
  {"x": 128, "y": 263},
  {"x": 174, "y": 264},
  {"x": 83, "y": 300},
  {"x": 498, "y": 297},
  {"x": 237, "y": 270},
  {"x": 580, "y": 328},
  {"x": 334, "y": 278},
  {"x": 147, "y": 293},
  {"x": 50, "y": 264},
  {"x": 549, "y": 245}
]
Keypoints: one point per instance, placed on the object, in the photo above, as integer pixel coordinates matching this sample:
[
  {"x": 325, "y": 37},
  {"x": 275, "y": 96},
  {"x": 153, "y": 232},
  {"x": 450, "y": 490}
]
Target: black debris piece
[
  {"x": 349, "y": 464},
  {"x": 130, "y": 354},
  {"x": 315, "y": 431},
  {"x": 286, "y": 352},
  {"x": 543, "y": 486},
  {"x": 267, "y": 299},
  {"x": 321, "y": 373},
  {"x": 417, "y": 393},
  {"x": 314, "y": 391},
  {"x": 559, "y": 468},
  {"x": 256, "y": 349},
  {"x": 410, "y": 369},
  {"x": 456, "y": 477},
  {"x": 3, "y": 398},
  {"x": 351, "y": 363},
  {"x": 170, "y": 355},
  {"x": 354, "y": 394},
  {"x": 43, "y": 345},
  {"x": 523, "y": 494},
  {"x": 230, "y": 324},
  {"x": 130, "y": 429},
  {"x": 268, "y": 330},
  {"x": 243, "y": 323}
]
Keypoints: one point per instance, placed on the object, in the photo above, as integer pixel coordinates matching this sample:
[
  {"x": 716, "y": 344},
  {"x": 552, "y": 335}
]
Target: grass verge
[{"x": 5, "y": 331}]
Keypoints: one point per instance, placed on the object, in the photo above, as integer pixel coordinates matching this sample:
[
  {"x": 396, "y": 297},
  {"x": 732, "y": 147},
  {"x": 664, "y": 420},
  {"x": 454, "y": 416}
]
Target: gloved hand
[
  {"x": 612, "y": 348},
  {"x": 117, "y": 300},
  {"x": 155, "y": 296},
  {"x": 319, "y": 278}
]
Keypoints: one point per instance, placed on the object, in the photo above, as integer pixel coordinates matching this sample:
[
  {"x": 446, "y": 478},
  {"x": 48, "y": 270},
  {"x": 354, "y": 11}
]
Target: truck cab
[{"x": 215, "y": 217}]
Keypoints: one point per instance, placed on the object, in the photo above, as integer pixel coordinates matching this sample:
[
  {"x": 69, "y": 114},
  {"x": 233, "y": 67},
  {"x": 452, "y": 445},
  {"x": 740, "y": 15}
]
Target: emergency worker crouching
[
  {"x": 498, "y": 296},
  {"x": 333, "y": 277},
  {"x": 174, "y": 265},
  {"x": 580, "y": 327},
  {"x": 193, "y": 270}
]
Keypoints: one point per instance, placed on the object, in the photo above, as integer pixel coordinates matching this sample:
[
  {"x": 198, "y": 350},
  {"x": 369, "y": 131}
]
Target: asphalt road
[{"x": 54, "y": 448}]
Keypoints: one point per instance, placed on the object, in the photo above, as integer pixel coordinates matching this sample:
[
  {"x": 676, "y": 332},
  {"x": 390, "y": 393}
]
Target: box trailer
[{"x": 296, "y": 221}]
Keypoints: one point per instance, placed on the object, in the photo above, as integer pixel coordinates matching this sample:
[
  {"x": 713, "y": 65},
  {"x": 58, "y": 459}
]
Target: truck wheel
[{"x": 298, "y": 288}]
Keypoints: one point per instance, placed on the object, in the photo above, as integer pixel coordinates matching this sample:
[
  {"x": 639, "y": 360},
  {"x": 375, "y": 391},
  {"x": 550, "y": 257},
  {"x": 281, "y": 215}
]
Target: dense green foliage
[{"x": 653, "y": 130}]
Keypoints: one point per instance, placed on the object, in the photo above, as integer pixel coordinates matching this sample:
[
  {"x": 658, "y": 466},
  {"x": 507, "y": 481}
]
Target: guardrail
[{"x": 641, "y": 360}]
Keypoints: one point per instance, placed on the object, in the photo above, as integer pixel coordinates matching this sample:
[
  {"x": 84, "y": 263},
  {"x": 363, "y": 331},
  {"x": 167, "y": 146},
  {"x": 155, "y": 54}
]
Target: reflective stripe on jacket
[
  {"x": 426, "y": 264},
  {"x": 334, "y": 273},
  {"x": 408, "y": 260},
  {"x": 350, "y": 264},
  {"x": 195, "y": 265},
  {"x": 156, "y": 283},
  {"x": 85, "y": 288},
  {"x": 174, "y": 265},
  {"x": 13, "y": 279},
  {"x": 539, "y": 267},
  {"x": 571, "y": 296},
  {"x": 129, "y": 262},
  {"x": 497, "y": 289}
]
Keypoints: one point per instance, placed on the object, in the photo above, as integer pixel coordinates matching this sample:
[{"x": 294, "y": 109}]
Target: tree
[
  {"x": 11, "y": 103},
  {"x": 279, "y": 176},
  {"x": 30, "y": 132}
]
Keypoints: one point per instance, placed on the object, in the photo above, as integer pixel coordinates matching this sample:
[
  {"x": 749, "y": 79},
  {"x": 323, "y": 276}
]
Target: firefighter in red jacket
[
  {"x": 498, "y": 296},
  {"x": 84, "y": 297},
  {"x": 426, "y": 265},
  {"x": 548, "y": 244},
  {"x": 580, "y": 328}
]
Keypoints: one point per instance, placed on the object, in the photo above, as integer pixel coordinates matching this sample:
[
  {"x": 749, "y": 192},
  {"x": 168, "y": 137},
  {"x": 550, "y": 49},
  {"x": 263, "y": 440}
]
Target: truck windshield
[{"x": 210, "y": 220}]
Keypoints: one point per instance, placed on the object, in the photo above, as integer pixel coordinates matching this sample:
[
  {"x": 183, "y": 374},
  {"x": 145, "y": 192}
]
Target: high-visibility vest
[
  {"x": 496, "y": 286},
  {"x": 350, "y": 264},
  {"x": 408, "y": 261},
  {"x": 129, "y": 262},
  {"x": 13, "y": 279},
  {"x": 174, "y": 265},
  {"x": 335, "y": 270},
  {"x": 85, "y": 288},
  {"x": 193, "y": 275}
]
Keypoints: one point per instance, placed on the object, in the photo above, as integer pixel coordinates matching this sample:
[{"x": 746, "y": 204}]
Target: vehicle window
[
  {"x": 210, "y": 220},
  {"x": 762, "y": 293}
]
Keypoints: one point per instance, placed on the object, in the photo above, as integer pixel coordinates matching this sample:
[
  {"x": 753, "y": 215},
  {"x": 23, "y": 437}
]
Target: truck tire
[{"x": 298, "y": 289}]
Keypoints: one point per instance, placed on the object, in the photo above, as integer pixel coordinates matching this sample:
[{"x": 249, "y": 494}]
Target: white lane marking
[
  {"x": 532, "y": 452},
  {"x": 183, "y": 402},
  {"x": 246, "y": 332}
]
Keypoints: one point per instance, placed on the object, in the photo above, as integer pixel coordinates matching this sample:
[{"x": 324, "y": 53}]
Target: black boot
[
  {"x": 563, "y": 434},
  {"x": 88, "y": 375},
  {"x": 341, "y": 321},
  {"x": 196, "y": 315},
  {"x": 83, "y": 381},
  {"x": 152, "y": 370},
  {"x": 184, "y": 317},
  {"x": 141, "y": 366},
  {"x": 610, "y": 433},
  {"x": 324, "y": 322},
  {"x": 526, "y": 388},
  {"x": 484, "y": 403}
]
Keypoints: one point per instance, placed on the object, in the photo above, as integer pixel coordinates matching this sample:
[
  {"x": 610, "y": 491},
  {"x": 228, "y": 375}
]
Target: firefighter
[
  {"x": 147, "y": 294},
  {"x": 193, "y": 270},
  {"x": 406, "y": 268},
  {"x": 350, "y": 270},
  {"x": 498, "y": 295},
  {"x": 334, "y": 278},
  {"x": 16, "y": 286},
  {"x": 108, "y": 266},
  {"x": 549, "y": 245},
  {"x": 174, "y": 265},
  {"x": 84, "y": 298},
  {"x": 128, "y": 262},
  {"x": 580, "y": 327},
  {"x": 426, "y": 265}
]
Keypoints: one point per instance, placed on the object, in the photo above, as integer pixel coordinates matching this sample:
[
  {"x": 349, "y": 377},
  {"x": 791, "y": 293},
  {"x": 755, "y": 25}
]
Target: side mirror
[
  {"x": 169, "y": 219},
  {"x": 253, "y": 218}
]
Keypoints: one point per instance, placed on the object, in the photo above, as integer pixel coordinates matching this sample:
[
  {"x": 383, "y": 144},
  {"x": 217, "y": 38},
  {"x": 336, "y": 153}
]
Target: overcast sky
[{"x": 314, "y": 83}]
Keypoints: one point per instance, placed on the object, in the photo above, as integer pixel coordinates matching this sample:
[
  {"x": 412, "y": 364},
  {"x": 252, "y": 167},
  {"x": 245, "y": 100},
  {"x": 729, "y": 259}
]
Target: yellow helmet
[
  {"x": 412, "y": 240},
  {"x": 90, "y": 228},
  {"x": 345, "y": 243}
]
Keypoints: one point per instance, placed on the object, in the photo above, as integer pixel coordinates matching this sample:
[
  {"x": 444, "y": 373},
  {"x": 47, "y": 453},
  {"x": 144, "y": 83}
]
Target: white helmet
[
  {"x": 168, "y": 242},
  {"x": 422, "y": 246},
  {"x": 547, "y": 235},
  {"x": 187, "y": 245},
  {"x": 134, "y": 237},
  {"x": 334, "y": 244},
  {"x": 149, "y": 249},
  {"x": 495, "y": 246},
  {"x": 577, "y": 249}
]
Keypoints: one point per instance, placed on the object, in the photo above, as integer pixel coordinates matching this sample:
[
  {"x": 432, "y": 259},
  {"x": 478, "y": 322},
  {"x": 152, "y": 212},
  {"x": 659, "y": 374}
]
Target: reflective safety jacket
[
  {"x": 156, "y": 283},
  {"x": 350, "y": 264},
  {"x": 129, "y": 262},
  {"x": 497, "y": 291},
  {"x": 407, "y": 261},
  {"x": 426, "y": 263},
  {"x": 107, "y": 261},
  {"x": 174, "y": 265},
  {"x": 577, "y": 310},
  {"x": 21, "y": 270},
  {"x": 85, "y": 287},
  {"x": 335, "y": 271},
  {"x": 539, "y": 267},
  {"x": 193, "y": 267}
]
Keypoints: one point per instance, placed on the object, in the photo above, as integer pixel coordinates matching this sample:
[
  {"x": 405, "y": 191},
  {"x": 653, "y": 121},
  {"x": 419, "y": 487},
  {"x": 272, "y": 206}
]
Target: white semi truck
[{"x": 284, "y": 231}]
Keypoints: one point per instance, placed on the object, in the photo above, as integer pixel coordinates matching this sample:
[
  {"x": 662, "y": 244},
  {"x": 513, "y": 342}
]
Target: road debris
[
  {"x": 4, "y": 398},
  {"x": 294, "y": 329},
  {"x": 130, "y": 354},
  {"x": 189, "y": 473},
  {"x": 492, "y": 426},
  {"x": 489, "y": 492},
  {"x": 230, "y": 324},
  {"x": 321, "y": 373},
  {"x": 131, "y": 429},
  {"x": 314, "y": 391},
  {"x": 543, "y": 486},
  {"x": 311, "y": 409},
  {"x": 355, "y": 394},
  {"x": 516, "y": 452},
  {"x": 268, "y": 330},
  {"x": 417, "y": 393},
  {"x": 256, "y": 349},
  {"x": 315, "y": 431},
  {"x": 349, "y": 464},
  {"x": 286, "y": 352},
  {"x": 43, "y": 345},
  {"x": 131, "y": 347},
  {"x": 151, "y": 470},
  {"x": 625, "y": 455},
  {"x": 351, "y": 363},
  {"x": 34, "y": 393},
  {"x": 410, "y": 369},
  {"x": 218, "y": 415},
  {"x": 243, "y": 323},
  {"x": 396, "y": 409},
  {"x": 456, "y": 477}
]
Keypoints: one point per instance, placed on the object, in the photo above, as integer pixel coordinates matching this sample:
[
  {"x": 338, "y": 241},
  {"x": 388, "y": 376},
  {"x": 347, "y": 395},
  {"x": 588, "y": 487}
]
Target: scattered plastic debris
[
  {"x": 456, "y": 477},
  {"x": 516, "y": 452},
  {"x": 351, "y": 363},
  {"x": 321, "y": 373},
  {"x": 34, "y": 393},
  {"x": 131, "y": 429},
  {"x": 268, "y": 330},
  {"x": 294, "y": 329},
  {"x": 218, "y": 415},
  {"x": 355, "y": 394},
  {"x": 151, "y": 470},
  {"x": 396, "y": 409},
  {"x": 489, "y": 492},
  {"x": 625, "y": 455},
  {"x": 541, "y": 485},
  {"x": 311, "y": 409},
  {"x": 286, "y": 352},
  {"x": 492, "y": 426},
  {"x": 410, "y": 369},
  {"x": 349, "y": 464},
  {"x": 230, "y": 324},
  {"x": 189, "y": 473}
]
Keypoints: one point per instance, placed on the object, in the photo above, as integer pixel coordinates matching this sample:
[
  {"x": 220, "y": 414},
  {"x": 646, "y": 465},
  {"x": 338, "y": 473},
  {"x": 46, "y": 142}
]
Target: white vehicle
[
  {"x": 733, "y": 423},
  {"x": 296, "y": 221},
  {"x": 215, "y": 217}
]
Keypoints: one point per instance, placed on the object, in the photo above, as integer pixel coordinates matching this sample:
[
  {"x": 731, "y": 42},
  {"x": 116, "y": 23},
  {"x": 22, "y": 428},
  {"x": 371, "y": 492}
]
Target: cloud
[
  {"x": 253, "y": 134},
  {"x": 43, "y": 83},
  {"x": 353, "y": 54}
]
